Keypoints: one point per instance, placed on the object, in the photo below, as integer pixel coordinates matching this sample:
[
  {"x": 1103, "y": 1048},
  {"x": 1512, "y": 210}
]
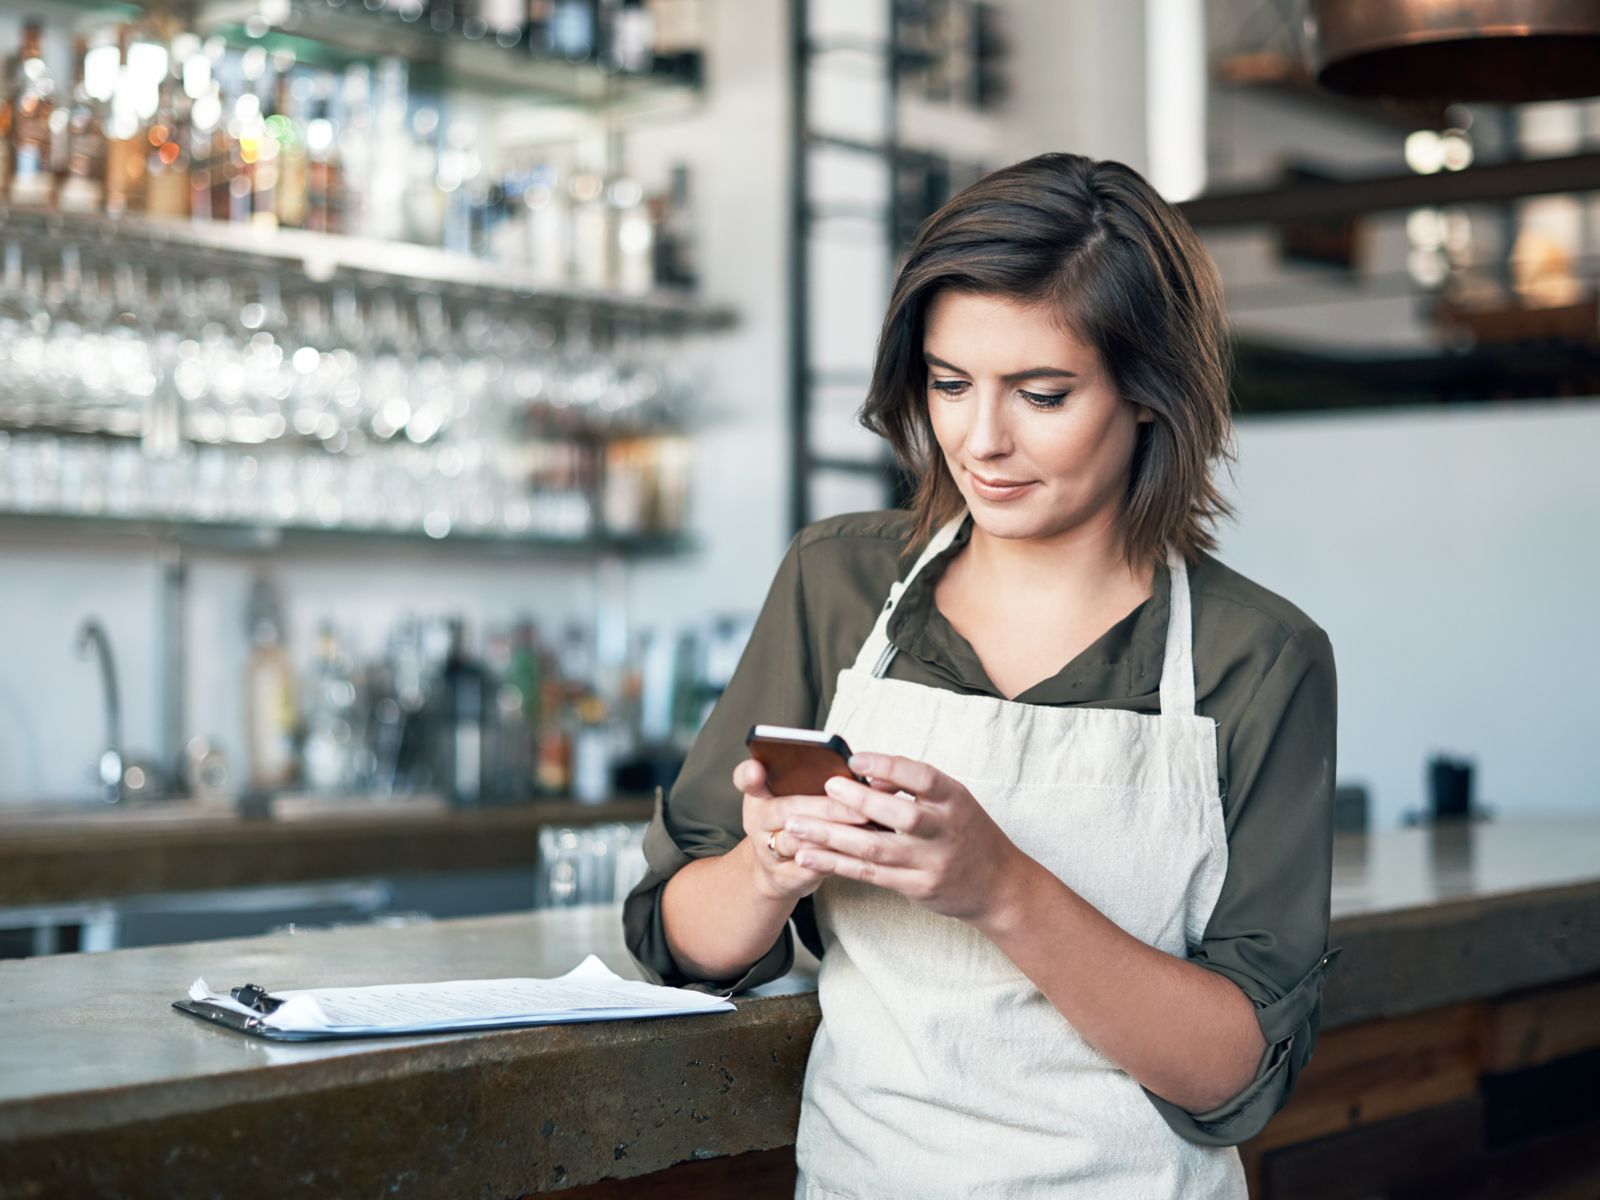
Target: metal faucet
[{"x": 109, "y": 769}]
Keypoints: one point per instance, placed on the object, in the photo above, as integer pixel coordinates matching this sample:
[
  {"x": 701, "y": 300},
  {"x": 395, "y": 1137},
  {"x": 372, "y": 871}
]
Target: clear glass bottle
[
  {"x": 549, "y": 217},
  {"x": 591, "y": 230},
  {"x": 286, "y": 127},
  {"x": 82, "y": 184},
  {"x": 269, "y": 695},
  {"x": 33, "y": 99},
  {"x": 167, "y": 163},
  {"x": 329, "y": 755},
  {"x": 324, "y": 174},
  {"x": 264, "y": 167},
  {"x": 630, "y": 47},
  {"x": 385, "y": 206},
  {"x": 573, "y": 29}
]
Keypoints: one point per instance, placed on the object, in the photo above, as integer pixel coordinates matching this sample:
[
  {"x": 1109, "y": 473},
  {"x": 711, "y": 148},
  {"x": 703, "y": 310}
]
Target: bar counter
[
  {"x": 55, "y": 856},
  {"x": 1470, "y": 951}
]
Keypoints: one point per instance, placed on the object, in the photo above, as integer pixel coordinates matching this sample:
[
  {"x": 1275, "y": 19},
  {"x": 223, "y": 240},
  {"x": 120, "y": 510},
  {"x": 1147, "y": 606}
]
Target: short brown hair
[{"x": 1130, "y": 279}]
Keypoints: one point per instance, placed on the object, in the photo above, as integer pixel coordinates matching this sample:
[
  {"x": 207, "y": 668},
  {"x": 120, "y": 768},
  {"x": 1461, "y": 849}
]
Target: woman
[{"x": 1085, "y": 957}]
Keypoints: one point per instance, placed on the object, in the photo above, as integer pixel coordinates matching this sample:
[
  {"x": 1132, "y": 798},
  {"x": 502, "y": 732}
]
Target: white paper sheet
[{"x": 589, "y": 992}]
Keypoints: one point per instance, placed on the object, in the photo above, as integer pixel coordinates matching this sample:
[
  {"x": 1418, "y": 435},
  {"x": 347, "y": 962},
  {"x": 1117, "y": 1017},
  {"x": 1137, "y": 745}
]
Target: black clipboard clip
[{"x": 256, "y": 998}]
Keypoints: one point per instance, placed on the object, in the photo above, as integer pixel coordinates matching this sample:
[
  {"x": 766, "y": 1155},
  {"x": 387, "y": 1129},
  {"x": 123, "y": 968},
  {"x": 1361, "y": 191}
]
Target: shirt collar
[{"x": 1124, "y": 662}]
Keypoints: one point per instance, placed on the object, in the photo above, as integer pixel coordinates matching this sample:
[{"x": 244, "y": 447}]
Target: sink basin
[{"x": 78, "y": 812}]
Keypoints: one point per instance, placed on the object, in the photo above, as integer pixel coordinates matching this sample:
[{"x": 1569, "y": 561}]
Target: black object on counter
[{"x": 1449, "y": 788}]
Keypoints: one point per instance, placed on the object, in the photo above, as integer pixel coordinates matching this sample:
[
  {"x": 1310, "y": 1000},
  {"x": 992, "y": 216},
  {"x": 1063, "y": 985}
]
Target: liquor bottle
[
  {"x": 208, "y": 156},
  {"x": 595, "y": 749},
  {"x": 236, "y": 141},
  {"x": 385, "y": 207},
  {"x": 269, "y": 694},
  {"x": 81, "y": 187},
  {"x": 7, "y": 65},
  {"x": 591, "y": 231},
  {"x": 354, "y": 145},
  {"x": 674, "y": 243},
  {"x": 458, "y": 178},
  {"x": 324, "y": 179},
  {"x": 549, "y": 222},
  {"x": 678, "y": 39},
  {"x": 554, "y": 769},
  {"x": 519, "y": 711},
  {"x": 634, "y": 252},
  {"x": 461, "y": 726},
  {"x": 167, "y": 165},
  {"x": 261, "y": 161},
  {"x": 285, "y": 128},
  {"x": 507, "y": 234},
  {"x": 632, "y": 38},
  {"x": 572, "y": 29},
  {"x": 329, "y": 758},
  {"x": 127, "y": 150},
  {"x": 32, "y": 101},
  {"x": 425, "y": 203}
]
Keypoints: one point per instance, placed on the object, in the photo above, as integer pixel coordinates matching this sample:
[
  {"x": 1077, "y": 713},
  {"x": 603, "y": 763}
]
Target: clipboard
[
  {"x": 254, "y": 1026},
  {"x": 589, "y": 992}
]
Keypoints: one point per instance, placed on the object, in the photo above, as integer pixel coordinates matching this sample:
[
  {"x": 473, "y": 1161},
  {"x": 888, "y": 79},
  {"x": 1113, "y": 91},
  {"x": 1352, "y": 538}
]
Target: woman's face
[{"x": 1032, "y": 429}]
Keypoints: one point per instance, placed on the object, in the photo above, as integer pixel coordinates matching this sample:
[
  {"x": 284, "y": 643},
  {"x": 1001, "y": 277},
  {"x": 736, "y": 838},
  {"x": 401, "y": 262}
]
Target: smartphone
[{"x": 799, "y": 761}]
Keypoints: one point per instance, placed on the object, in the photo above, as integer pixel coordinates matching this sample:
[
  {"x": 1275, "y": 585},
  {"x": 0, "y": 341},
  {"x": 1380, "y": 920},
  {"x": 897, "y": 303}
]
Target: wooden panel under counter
[{"x": 109, "y": 854}]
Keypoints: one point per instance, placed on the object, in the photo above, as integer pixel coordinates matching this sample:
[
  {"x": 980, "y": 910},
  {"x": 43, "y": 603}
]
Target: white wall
[{"x": 1450, "y": 556}]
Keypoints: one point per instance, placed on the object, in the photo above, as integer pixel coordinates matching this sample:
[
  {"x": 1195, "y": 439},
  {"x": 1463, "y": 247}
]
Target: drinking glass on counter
[{"x": 589, "y": 864}]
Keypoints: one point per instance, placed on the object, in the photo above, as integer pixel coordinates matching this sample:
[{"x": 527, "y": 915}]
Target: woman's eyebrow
[{"x": 1014, "y": 377}]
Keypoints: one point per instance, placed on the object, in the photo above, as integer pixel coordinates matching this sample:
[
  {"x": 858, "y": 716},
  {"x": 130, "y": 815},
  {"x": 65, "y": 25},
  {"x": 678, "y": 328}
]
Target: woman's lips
[{"x": 998, "y": 489}]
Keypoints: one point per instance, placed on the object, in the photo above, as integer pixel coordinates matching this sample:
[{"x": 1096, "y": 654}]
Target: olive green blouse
[{"x": 1263, "y": 671}]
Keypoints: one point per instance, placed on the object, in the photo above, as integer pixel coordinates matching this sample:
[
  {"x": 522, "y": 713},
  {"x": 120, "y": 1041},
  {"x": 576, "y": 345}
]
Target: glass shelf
[
  {"x": 325, "y": 257},
  {"x": 251, "y": 538},
  {"x": 336, "y": 35}
]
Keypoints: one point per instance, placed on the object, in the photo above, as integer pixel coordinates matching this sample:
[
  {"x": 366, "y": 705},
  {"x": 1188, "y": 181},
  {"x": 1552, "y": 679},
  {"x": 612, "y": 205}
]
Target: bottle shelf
[
  {"x": 330, "y": 257},
  {"x": 337, "y": 34},
  {"x": 228, "y": 537}
]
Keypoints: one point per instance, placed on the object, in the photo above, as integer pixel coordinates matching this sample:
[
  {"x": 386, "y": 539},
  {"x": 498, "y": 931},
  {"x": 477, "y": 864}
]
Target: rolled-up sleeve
[
  {"x": 1269, "y": 930},
  {"x": 702, "y": 816}
]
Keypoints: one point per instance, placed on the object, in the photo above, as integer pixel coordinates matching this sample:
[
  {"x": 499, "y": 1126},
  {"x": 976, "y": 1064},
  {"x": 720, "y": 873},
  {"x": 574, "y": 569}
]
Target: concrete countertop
[
  {"x": 49, "y": 858},
  {"x": 105, "y": 1090}
]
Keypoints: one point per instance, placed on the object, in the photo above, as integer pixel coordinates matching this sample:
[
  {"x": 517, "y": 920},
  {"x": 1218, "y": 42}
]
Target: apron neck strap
[
  {"x": 1177, "y": 667},
  {"x": 877, "y": 652}
]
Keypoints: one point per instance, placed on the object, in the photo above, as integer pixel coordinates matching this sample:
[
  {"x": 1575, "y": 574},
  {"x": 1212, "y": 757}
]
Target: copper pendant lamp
[{"x": 1493, "y": 51}]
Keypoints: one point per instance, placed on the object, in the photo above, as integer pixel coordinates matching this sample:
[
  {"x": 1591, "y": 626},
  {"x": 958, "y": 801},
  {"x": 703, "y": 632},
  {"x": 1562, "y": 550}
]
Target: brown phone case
[{"x": 796, "y": 769}]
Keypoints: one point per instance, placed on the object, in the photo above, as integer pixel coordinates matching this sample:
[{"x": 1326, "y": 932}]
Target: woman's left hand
[{"x": 940, "y": 848}]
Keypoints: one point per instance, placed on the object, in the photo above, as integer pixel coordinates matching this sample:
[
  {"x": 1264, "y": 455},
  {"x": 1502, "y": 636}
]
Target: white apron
[{"x": 939, "y": 1069}]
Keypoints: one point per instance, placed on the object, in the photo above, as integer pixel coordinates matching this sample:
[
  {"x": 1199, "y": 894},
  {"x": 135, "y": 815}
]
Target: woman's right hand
[{"x": 778, "y": 876}]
